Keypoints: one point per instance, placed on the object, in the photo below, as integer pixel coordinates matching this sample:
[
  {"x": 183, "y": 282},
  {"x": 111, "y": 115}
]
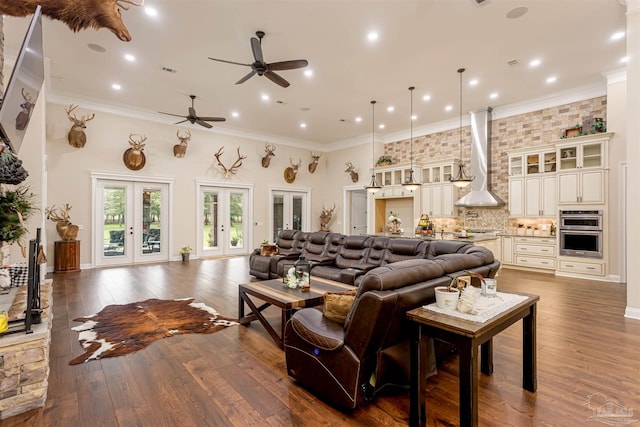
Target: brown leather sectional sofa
[{"x": 347, "y": 364}]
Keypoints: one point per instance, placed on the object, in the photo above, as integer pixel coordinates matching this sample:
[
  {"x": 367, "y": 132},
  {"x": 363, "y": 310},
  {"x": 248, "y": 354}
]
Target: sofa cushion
[
  {"x": 403, "y": 249},
  {"x": 457, "y": 262},
  {"x": 439, "y": 247},
  {"x": 399, "y": 274},
  {"x": 338, "y": 304}
]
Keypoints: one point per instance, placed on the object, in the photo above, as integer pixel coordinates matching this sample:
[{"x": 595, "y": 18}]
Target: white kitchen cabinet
[
  {"x": 581, "y": 187},
  {"x": 516, "y": 197},
  {"x": 391, "y": 179},
  {"x": 438, "y": 194},
  {"x": 581, "y": 267},
  {"x": 507, "y": 250},
  {"x": 533, "y": 196},
  {"x": 527, "y": 162},
  {"x": 530, "y": 252},
  {"x": 493, "y": 245},
  {"x": 583, "y": 154}
]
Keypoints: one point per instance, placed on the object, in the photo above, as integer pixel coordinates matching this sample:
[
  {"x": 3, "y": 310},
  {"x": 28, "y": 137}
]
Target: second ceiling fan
[{"x": 261, "y": 68}]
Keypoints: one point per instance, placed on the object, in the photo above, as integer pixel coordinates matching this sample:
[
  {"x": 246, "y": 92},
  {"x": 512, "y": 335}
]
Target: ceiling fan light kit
[
  {"x": 461, "y": 179},
  {"x": 410, "y": 184},
  {"x": 262, "y": 68}
]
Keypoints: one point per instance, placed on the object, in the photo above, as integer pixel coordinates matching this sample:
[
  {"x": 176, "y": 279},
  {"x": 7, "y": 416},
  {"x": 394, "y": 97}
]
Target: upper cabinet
[
  {"x": 392, "y": 177},
  {"x": 522, "y": 163},
  {"x": 438, "y": 193},
  {"x": 532, "y": 182}
]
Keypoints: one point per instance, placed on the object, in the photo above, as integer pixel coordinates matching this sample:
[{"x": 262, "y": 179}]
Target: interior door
[
  {"x": 223, "y": 223},
  {"x": 289, "y": 211},
  {"x": 132, "y": 222},
  {"x": 358, "y": 212}
]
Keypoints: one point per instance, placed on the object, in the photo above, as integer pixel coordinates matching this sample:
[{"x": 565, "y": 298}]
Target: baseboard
[{"x": 632, "y": 313}]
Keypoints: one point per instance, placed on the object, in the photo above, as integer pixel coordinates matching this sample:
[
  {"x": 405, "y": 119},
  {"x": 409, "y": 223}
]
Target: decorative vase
[
  {"x": 447, "y": 299},
  {"x": 185, "y": 256}
]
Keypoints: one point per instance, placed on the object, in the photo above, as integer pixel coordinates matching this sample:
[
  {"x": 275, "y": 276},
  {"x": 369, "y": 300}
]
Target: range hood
[{"x": 480, "y": 195}]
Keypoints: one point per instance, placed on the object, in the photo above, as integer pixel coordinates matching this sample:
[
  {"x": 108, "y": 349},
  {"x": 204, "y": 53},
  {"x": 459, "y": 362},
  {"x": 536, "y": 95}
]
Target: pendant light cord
[
  {"x": 373, "y": 134},
  {"x": 411, "y": 130},
  {"x": 461, "y": 70}
]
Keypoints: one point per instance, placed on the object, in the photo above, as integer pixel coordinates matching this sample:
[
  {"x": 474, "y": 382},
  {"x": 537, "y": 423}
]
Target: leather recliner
[{"x": 336, "y": 362}]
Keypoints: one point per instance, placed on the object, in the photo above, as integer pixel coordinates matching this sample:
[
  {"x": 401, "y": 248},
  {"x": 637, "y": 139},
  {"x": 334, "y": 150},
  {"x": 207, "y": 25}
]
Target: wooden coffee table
[
  {"x": 467, "y": 336},
  {"x": 274, "y": 292}
]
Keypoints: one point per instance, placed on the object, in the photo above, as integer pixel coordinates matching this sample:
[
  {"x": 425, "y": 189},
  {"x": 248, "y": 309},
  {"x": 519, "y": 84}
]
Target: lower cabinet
[
  {"x": 493, "y": 245},
  {"x": 529, "y": 252},
  {"x": 581, "y": 267}
]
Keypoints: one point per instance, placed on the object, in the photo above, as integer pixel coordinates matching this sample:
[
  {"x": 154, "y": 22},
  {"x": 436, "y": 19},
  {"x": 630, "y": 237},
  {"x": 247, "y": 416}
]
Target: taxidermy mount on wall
[
  {"x": 77, "y": 14},
  {"x": 134, "y": 157},
  {"x": 325, "y": 217},
  {"x": 270, "y": 151},
  {"x": 229, "y": 170},
  {"x": 314, "y": 162},
  {"x": 351, "y": 170},
  {"x": 76, "y": 135},
  {"x": 179, "y": 150},
  {"x": 291, "y": 172}
]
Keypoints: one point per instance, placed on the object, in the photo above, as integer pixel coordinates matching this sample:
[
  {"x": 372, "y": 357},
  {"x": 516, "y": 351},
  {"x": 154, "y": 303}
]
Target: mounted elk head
[
  {"x": 22, "y": 119},
  {"x": 134, "y": 157},
  {"x": 314, "y": 163},
  {"x": 234, "y": 167},
  {"x": 179, "y": 150},
  {"x": 270, "y": 150},
  {"x": 76, "y": 135},
  {"x": 325, "y": 218},
  {"x": 77, "y": 14},
  {"x": 352, "y": 171},
  {"x": 291, "y": 172},
  {"x": 66, "y": 230}
]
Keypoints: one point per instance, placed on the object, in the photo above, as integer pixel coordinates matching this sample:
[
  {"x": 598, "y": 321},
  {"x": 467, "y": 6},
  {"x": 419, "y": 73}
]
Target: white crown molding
[
  {"x": 616, "y": 76},
  {"x": 632, "y": 5}
]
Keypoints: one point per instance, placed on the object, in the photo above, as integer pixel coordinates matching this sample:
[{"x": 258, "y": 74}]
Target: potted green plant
[
  {"x": 185, "y": 251},
  {"x": 236, "y": 238},
  {"x": 384, "y": 161}
]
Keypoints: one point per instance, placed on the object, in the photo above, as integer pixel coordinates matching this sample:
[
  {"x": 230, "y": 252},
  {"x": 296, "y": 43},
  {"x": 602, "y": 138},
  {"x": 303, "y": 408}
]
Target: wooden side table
[{"x": 67, "y": 256}]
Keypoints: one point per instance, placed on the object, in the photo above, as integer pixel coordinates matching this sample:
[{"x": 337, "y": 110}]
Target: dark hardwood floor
[{"x": 237, "y": 377}]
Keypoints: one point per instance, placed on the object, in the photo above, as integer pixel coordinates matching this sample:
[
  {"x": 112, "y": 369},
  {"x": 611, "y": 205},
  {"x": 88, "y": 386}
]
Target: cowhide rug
[{"x": 123, "y": 329}]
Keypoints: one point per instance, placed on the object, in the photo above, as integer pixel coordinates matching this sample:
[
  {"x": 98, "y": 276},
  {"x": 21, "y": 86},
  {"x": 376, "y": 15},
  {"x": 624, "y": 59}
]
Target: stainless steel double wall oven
[{"x": 580, "y": 233}]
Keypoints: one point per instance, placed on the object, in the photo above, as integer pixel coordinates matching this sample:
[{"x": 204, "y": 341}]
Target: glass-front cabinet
[
  {"x": 522, "y": 163},
  {"x": 438, "y": 173},
  {"x": 576, "y": 156},
  {"x": 392, "y": 177}
]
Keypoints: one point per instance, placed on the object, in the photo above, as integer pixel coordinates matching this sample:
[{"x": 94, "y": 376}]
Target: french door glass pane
[
  {"x": 278, "y": 215},
  {"x": 236, "y": 207},
  {"x": 114, "y": 215},
  {"x": 151, "y": 231},
  {"x": 297, "y": 212},
  {"x": 210, "y": 225}
]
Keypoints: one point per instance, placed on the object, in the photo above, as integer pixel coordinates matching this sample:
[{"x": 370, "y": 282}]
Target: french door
[
  {"x": 223, "y": 220},
  {"x": 131, "y": 222},
  {"x": 289, "y": 210}
]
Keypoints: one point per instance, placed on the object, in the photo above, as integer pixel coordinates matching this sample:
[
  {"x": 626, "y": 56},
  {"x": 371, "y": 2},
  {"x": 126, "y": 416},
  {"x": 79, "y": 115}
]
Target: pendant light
[
  {"x": 410, "y": 184},
  {"x": 461, "y": 179},
  {"x": 373, "y": 187}
]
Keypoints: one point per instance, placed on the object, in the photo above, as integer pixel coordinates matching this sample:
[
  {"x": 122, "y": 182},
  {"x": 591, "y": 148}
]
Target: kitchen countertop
[{"x": 447, "y": 235}]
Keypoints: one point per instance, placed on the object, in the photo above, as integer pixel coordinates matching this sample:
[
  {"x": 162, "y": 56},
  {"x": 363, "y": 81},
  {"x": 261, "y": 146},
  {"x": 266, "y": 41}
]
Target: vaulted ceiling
[{"x": 420, "y": 43}]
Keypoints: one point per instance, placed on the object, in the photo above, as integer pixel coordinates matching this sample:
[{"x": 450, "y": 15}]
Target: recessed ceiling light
[
  {"x": 381, "y": 126},
  {"x": 617, "y": 36},
  {"x": 426, "y": 98},
  {"x": 535, "y": 63},
  {"x": 235, "y": 114},
  {"x": 448, "y": 108},
  {"x": 129, "y": 57},
  {"x": 494, "y": 95},
  {"x": 473, "y": 82},
  {"x": 150, "y": 11},
  {"x": 303, "y": 125},
  {"x": 358, "y": 119},
  {"x": 551, "y": 79},
  {"x": 116, "y": 86},
  {"x": 308, "y": 73},
  {"x": 265, "y": 97},
  {"x": 372, "y": 36},
  {"x": 414, "y": 117},
  {"x": 624, "y": 59},
  {"x": 390, "y": 108},
  {"x": 97, "y": 48}
]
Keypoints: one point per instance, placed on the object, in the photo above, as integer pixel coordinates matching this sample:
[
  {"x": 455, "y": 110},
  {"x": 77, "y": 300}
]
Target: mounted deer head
[
  {"x": 325, "y": 217},
  {"x": 78, "y": 15},
  {"x": 179, "y": 150},
  {"x": 270, "y": 150},
  {"x": 134, "y": 157},
  {"x": 66, "y": 230},
  {"x": 231, "y": 170},
  {"x": 291, "y": 172},
  {"x": 76, "y": 135},
  {"x": 314, "y": 163},
  {"x": 352, "y": 171},
  {"x": 23, "y": 116}
]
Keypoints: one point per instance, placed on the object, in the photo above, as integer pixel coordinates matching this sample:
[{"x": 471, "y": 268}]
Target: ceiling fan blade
[
  {"x": 182, "y": 121},
  {"x": 229, "y": 62},
  {"x": 192, "y": 112},
  {"x": 276, "y": 79},
  {"x": 288, "y": 65},
  {"x": 245, "y": 78},
  {"x": 212, "y": 119},
  {"x": 256, "y": 47},
  {"x": 204, "y": 124},
  {"x": 171, "y": 114}
]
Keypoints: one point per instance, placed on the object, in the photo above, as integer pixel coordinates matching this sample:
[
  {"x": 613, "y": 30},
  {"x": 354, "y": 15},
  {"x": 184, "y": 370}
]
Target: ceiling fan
[
  {"x": 262, "y": 68},
  {"x": 194, "y": 118}
]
